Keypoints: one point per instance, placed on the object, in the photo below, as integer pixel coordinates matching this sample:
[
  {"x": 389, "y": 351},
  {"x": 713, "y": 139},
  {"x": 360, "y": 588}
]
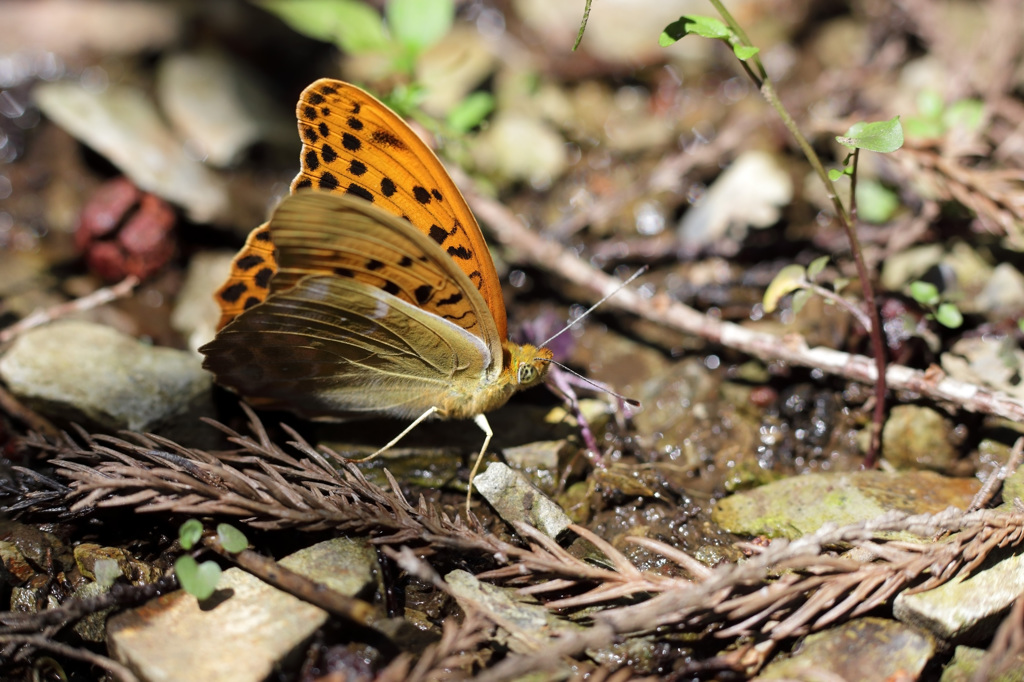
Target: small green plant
[
  {"x": 935, "y": 118},
  {"x": 200, "y": 579},
  {"x": 406, "y": 30},
  {"x": 884, "y": 136},
  {"x": 943, "y": 312}
]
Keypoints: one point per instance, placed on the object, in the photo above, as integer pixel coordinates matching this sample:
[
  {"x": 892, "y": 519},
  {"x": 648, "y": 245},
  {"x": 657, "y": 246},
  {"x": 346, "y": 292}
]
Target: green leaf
[
  {"x": 468, "y": 113},
  {"x": 189, "y": 533},
  {"x": 834, "y": 174},
  {"x": 966, "y": 114},
  {"x": 840, "y": 283},
  {"x": 231, "y": 539},
  {"x": 706, "y": 27},
  {"x": 880, "y": 136},
  {"x": 924, "y": 293},
  {"x": 800, "y": 299},
  {"x": 930, "y": 103},
  {"x": 816, "y": 266},
  {"x": 948, "y": 315},
  {"x": 875, "y": 202},
  {"x": 924, "y": 128},
  {"x": 353, "y": 26},
  {"x": 744, "y": 52},
  {"x": 199, "y": 580},
  {"x": 789, "y": 279},
  {"x": 418, "y": 24}
]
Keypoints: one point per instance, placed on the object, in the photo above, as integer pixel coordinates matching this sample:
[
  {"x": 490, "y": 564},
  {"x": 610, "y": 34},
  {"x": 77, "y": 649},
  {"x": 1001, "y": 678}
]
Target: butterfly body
[{"x": 371, "y": 289}]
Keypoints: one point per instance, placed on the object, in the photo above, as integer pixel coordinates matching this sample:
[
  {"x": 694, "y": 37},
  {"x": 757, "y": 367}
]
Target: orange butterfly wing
[{"x": 354, "y": 144}]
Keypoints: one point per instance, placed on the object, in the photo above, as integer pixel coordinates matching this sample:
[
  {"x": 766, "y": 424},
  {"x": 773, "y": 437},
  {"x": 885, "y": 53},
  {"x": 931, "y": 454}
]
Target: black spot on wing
[
  {"x": 304, "y": 183},
  {"x": 386, "y": 139},
  {"x": 328, "y": 154},
  {"x": 250, "y": 302},
  {"x": 437, "y": 195},
  {"x": 262, "y": 278},
  {"x": 328, "y": 182},
  {"x": 391, "y": 288},
  {"x": 315, "y": 98},
  {"x": 421, "y": 194},
  {"x": 461, "y": 252},
  {"x": 356, "y": 107},
  {"x": 423, "y": 293},
  {"x": 360, "y": 192},
  {"x": 329, "y": 90},
  {"x": 323, "y": 129},
  {"x": 350, "y": 142},
  {"x": 310, "y": 134},
  {"x": 234, "y": 292},
  {"x": 354, "y": 123},
  {"x": 311, "y": 160},
  {"x": 263, "y": 236},
  {"x": 387, "y": 187},
  {"x": 343, "y": 272},
  {"x": 374, "y": 264},
  {"x": 249, "y": 262},
  {"x": 405, "y": 262},
  {"x": 451, "y": 300},
  {"x": 439, "y": 234},
  {"x": 356, "y": 168},
  {"x": 310, "y": 113}
]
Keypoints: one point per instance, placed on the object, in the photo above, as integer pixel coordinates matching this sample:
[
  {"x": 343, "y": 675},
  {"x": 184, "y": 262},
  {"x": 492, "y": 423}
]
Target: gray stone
[
  {"x": 516, "y": 499},
  {"x": 794, "y": 506},
  {"x": 97, "y": 376},
  {"x": 219, "y": 106},
  {"x": 863, "y": 650},
  {"x": 965, "y": 610},
  {"x": 916, "y": 437},
  {"x": 122, "y": 124},
  {"x": 248, "y": 632}
]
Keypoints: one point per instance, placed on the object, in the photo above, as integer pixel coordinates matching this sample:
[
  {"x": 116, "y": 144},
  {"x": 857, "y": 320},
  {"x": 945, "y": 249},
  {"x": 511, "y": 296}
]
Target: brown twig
[
  {"x": 78, "y": 305},
  {"x": 996, "y": 478},
  {"x": 119, "y": 671},
  {"x": 792, "y": 349},
  {"x": 297, "y": 585}
]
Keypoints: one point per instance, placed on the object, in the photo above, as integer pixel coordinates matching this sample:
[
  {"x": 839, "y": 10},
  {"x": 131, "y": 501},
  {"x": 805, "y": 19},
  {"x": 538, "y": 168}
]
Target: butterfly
[{"x": 371, "y": 289}]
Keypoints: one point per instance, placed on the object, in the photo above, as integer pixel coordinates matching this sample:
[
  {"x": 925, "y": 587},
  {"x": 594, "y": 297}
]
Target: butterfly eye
[{"x": 527, "y": 374}]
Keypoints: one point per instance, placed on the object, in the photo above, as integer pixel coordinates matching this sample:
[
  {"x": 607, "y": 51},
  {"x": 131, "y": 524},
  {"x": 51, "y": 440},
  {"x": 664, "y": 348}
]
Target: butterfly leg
[
  {"x": 485, "y": 426},
  {"x": 416, "y": 422}
]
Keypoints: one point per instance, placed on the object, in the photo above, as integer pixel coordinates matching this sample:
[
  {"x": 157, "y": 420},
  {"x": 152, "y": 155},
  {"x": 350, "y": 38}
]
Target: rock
[
  {"x": 95, "y": 375},
  {"x": 196, "y": 313},
  {"x": 219, "y": 107},
  {"x": 894, "y": 650},
  {"x": 520, "y": 147},
  {"x": 248, "y": 632},
  {"x": 802, "y": 504},
  {"x": 1003, "y": 293},
  {"x": 916, "y": 437},
  {"x": 527, "y": 625},
  {"x": 123, "y": 125},
  {"x": 966, "y": 661},
  {"x": 516, "y": 499},
  {"x": 969, "y": 610},
  {"x": 749, "y": 193}
]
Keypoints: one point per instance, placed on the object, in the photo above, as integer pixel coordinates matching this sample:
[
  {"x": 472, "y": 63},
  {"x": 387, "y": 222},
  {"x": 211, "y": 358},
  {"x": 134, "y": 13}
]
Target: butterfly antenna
[
  {"x": 591, "y": 309},
  {"x": 599, "y": 387}
]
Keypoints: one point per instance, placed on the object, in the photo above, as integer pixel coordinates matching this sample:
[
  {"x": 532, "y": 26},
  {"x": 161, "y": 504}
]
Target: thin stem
[{"x": 846, "y": 219}]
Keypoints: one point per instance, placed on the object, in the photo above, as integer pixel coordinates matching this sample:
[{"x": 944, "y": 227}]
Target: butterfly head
[{"x": 528, "y": 364}]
